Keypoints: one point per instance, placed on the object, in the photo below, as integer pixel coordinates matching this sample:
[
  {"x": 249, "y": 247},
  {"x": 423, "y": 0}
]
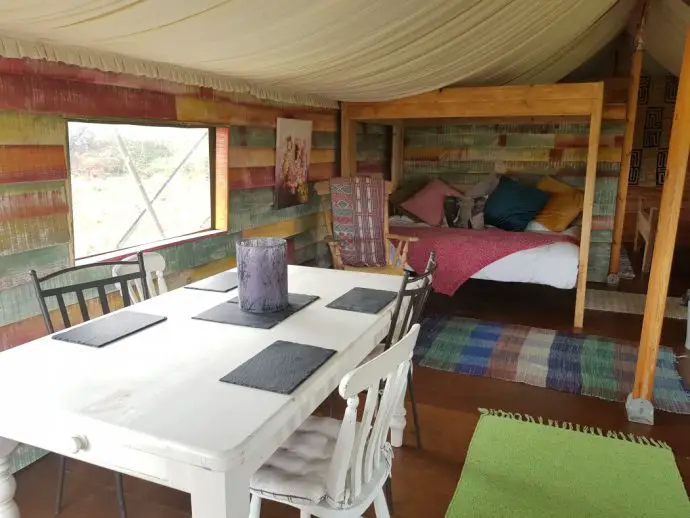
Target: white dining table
[{"x": 151, "y": 405}]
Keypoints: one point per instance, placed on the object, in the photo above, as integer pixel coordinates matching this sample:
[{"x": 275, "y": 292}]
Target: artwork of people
[{"x": 293, "y": 150}]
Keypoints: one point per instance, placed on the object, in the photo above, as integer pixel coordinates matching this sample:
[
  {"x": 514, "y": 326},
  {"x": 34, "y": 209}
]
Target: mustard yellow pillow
[{"x": 564, "y": 205}]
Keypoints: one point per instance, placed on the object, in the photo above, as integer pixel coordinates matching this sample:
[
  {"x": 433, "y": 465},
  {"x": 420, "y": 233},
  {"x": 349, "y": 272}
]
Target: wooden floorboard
[{"x": 423, "y": 481}]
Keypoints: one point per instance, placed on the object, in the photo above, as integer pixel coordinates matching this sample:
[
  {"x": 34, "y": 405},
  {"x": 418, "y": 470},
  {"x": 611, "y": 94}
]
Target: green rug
[{"x": 521, "y": 467}]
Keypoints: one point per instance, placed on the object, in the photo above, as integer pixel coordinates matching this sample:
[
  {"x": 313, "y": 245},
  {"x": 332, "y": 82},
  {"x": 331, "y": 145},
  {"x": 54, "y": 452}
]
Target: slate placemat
[
  {"x": 222, "y": 282},
  {"x": 281, "y": 367},
  {"x": 104, "y": 331},
  {"x": 230, "y": 313},
  {"x": 363, "y": 300}
]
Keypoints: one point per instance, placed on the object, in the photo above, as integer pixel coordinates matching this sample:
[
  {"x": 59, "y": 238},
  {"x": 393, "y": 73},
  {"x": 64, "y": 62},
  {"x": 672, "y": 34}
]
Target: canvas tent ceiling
[{"x": 317, "y": 52}]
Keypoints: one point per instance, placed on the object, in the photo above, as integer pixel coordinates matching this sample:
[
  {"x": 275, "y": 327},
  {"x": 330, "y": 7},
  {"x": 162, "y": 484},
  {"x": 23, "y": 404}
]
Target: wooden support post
[
  {"x": 662, "y": 258},
  {"x": 348, "y": 143},
  {"x": 630, "y": 117},
  {"x": 588, "y": 204},
  {"x": 397, "y": 151},
  {"x": 221, "y": 187}
]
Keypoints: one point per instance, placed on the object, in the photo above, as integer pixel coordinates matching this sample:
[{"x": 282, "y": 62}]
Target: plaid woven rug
[
  {"x": 357, "y": 205},
  {"x": 580, "y": 364}
]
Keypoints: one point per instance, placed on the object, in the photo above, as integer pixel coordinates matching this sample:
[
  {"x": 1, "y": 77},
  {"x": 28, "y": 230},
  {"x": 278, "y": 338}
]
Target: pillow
[
  {"x": 564, "y": 205},
  {"x": 512, "y": 205},
  {"x": 427, "y": 204}
]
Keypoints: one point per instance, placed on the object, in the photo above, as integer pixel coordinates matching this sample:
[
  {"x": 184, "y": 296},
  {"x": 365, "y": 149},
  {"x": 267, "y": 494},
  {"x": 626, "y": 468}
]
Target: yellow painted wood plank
[
  {"x": 210, "y": 111},
  {"x": 32, "y": 233},
  {"x": 259, "y": 157},
  {"x": 25, "y": 129},
  {"x": 179, "y": 279},
  {"x": 286, "y": 228}
]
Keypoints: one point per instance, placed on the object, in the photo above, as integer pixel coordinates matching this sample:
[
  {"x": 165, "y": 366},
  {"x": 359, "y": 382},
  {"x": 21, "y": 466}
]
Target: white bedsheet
[{"x": 554, "y": 265}]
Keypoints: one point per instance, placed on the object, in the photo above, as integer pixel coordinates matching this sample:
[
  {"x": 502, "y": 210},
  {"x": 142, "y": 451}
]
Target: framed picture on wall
[{"x": 293, "y": 152}]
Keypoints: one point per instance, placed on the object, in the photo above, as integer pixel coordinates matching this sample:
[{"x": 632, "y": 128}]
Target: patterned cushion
[{"x": 427, "y": 204}]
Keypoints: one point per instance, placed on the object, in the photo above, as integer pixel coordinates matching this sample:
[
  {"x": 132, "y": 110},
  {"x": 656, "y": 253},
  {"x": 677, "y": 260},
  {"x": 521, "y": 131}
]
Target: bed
[
  {"x": 553, "y": 263},
  {"x": 582, "y": 101}
]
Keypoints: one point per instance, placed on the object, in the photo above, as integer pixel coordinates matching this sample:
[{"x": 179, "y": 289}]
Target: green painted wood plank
[
  {"x": 250, "y": 136},
  {"x": 14, "y": 269}
]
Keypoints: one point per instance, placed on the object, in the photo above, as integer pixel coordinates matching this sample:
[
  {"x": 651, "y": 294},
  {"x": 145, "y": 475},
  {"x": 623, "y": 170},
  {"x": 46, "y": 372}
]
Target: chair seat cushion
[{"x": 297, "y": 472}]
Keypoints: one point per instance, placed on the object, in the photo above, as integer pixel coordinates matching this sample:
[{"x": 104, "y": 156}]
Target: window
[{"x": 134, "y": 184}]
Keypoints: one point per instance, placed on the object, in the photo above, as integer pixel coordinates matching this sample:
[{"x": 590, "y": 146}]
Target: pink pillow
[{"x": 427, "y": 204}]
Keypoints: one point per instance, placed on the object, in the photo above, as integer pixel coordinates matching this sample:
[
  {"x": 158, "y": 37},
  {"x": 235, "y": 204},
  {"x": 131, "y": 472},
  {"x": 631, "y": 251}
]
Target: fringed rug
[
  {"x": 631, "y": 303},
  {"x": 524, "y": 467},
  {"x": 580, "y": 364}
]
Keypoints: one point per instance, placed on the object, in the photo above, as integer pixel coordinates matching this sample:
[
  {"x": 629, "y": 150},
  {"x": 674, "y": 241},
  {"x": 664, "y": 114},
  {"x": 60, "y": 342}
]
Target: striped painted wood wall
[
  {"x": 36, "y": 99},
  {"x": 463, "y": 154}
]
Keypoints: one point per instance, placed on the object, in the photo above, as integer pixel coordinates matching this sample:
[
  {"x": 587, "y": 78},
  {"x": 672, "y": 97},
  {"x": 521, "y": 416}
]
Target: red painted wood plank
[
  {"x": 31, "y": 205},
  {"x": 264, "y": 176},
  {"x": 46, "y": 95},
  {"x": 251, "y": 177},
  {"x": 21, "y": 332},
  {"x": 67, "y": 72},
  {"x": 371, "y": 166},
  {"x": 32, "y": 163}
]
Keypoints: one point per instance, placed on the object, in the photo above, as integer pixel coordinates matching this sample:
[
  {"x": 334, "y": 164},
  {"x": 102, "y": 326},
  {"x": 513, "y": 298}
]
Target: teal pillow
[{"x": 512, "y": 205}]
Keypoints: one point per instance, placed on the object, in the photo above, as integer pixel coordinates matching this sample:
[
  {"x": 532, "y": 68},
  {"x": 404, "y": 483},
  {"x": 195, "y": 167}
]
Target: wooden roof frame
[{"x": 581, "y": 100}]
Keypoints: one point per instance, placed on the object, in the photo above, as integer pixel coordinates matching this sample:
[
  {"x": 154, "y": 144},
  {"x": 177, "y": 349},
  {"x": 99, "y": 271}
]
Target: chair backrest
[
  {"x": 361, "y": 241},
  {"x": 412, "y": 297},
  {"x": 80, "y": 289},
  {"x": 362, "y": 448},
  {"x": 154, "y": 263}
]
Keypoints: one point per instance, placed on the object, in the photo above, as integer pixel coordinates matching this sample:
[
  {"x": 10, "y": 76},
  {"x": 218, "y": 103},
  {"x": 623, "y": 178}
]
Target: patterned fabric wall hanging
[{"x": 656, "y": 102}]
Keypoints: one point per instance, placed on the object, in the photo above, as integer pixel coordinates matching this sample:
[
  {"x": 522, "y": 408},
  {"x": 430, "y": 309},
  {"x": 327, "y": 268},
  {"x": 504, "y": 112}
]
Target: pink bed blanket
[{"x": 460, "y": 253}]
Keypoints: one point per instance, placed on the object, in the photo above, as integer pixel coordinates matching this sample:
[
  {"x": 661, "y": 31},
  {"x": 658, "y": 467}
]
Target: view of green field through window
[{"x": 135, "y": 184}]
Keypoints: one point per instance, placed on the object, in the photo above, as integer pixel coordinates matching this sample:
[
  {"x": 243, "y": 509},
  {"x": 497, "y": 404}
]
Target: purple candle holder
[{"x": 262, "y": 274}]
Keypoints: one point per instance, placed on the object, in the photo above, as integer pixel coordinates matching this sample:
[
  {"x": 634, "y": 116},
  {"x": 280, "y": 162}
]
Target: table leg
[
  {"x": 8, "y": 507},
  {"x": 219, "y": 495}
]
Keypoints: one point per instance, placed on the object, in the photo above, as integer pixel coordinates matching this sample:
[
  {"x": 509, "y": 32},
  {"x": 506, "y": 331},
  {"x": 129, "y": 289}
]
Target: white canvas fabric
[
  {"x": 316, "y": 53},
  {"x": 665, "y": 30}
]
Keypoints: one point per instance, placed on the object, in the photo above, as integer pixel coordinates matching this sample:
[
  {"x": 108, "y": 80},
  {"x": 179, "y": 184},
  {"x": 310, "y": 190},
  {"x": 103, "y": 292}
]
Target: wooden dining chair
[
  {"x": 356, "y": 211},
  {"x": 154, "y": 264},
  {"x": 409, "y": 307},
  {"x": 330, "y": 468},
  {"x": 87, "y": 277}
]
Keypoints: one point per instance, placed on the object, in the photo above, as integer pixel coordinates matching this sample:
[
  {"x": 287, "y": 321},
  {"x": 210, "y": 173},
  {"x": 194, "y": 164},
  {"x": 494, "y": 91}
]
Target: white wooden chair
[
  {"x": 153, "y": 263},
  {"x": 337, "y": 469}
]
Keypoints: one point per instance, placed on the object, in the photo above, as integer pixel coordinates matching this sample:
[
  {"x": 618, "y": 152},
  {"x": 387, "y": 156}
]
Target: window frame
[{"x": 219, "y": 189}]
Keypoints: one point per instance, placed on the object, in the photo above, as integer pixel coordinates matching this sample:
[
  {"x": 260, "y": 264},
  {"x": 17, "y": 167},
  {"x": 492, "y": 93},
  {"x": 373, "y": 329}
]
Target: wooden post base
[{"x": 639, "y": 410}]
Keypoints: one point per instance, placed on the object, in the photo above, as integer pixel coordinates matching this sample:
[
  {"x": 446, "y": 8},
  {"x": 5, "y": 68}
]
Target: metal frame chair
[
  {"x": 79, "y": 289},
  {"x": 413, "y": 294}
]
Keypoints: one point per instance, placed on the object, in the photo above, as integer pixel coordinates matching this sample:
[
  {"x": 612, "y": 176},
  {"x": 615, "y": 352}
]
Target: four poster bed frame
[{"x": 560, "y": 101}]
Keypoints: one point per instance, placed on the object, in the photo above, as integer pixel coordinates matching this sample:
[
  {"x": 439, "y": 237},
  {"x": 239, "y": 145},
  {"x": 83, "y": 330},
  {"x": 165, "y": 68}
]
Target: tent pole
[
  {"x": 639, "y": 404},
  {"x": 630, "y": 117}
]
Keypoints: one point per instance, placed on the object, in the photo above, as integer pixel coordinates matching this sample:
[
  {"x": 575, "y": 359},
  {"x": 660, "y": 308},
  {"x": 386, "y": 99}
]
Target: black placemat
[
  {"x": 363, "y": 300},
  {"x": 230, "y": 313},
  {"x": 222, "y": 282},
  {"x": 281, "y": 367},
  {"x": 109, "y": 329}
]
